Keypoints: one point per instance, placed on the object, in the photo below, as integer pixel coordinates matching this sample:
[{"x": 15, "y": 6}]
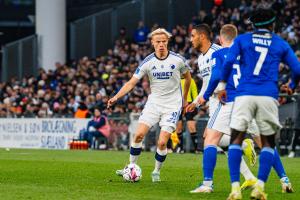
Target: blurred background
[{"x": 61, "y": 59}]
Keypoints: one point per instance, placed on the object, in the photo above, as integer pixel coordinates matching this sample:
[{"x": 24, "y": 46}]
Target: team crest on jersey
[
  {"x": 172, "y": 66},
  {"x": 162, "y": 66}
]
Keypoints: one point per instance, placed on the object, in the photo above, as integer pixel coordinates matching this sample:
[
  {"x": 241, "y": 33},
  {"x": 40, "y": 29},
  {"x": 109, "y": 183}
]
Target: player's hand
[
  {"x": 112, "y": 101},
  {"x": 201, "y": 101},
  {"x": 222, "y": 96},
  {"x": 287, "y": 89},
  {"x": 191, "y": 107}
]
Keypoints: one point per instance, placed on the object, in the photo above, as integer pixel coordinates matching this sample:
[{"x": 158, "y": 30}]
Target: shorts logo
[{"x": 173, "y": 119}]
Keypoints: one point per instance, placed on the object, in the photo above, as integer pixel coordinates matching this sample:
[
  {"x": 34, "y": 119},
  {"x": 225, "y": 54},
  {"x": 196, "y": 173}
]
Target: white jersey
[
  {"x": 164, "y": 76},
  {"x": 205, "y": 64}
]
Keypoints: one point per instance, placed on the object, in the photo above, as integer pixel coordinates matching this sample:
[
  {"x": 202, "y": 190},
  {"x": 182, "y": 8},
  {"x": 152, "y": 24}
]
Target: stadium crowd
[{"x": 75, "y": 88}]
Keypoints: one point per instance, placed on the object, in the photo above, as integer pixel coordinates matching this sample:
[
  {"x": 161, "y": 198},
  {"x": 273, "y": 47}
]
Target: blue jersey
[
  {"x": 260, "y": 55},
  {"x": 218, "y": 58}
]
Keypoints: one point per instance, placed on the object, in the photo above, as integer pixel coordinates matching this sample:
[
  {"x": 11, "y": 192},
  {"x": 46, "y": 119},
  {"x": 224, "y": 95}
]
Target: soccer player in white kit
[
  {"x": 201, "y": 41},
  {"x": 164, "y": 69}
]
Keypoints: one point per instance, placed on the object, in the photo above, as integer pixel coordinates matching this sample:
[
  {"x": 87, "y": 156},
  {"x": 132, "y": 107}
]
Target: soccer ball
[{"x": 132, "y": 173}]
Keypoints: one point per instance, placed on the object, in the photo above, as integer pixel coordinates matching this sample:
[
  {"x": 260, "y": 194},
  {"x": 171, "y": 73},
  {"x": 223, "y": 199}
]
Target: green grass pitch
[{"x": 51, "y": 174}]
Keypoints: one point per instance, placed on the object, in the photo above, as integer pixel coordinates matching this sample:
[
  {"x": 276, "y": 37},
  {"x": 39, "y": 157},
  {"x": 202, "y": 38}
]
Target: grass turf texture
[{"x": 51, "y": 174}]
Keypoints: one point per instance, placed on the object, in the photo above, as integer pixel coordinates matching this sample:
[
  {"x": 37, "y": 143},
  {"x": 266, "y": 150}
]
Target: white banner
[{"x": 39, "y": 133}]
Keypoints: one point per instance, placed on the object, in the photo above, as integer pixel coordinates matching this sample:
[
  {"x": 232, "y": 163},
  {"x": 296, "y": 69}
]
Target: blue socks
[
  {"x": 278, "y": 165},
  {"x": 160, "y": 155},
  {"x": 209, "y": 162},
  {"x": 266, "y": 161},
  {"x": 135, "y": 151},
  {"x": 234, "y": 161}
]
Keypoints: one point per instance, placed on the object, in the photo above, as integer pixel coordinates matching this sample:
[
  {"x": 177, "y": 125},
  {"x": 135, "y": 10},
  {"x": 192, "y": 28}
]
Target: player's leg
[
  {"x": 136, "y": 146},
  {"x": 179, "y": 131},
  {"x": 286, "y": 185},
  {"x": 211, "y": 141},
  {"x": 161, "y": 153},
  {"x": 249, "y": 151},
  {"x": 241, "y": 116},
  {"x": 278, "y": 167},
  {"x": 250, "y": 179},
  {"x": 209, "y": 161},
  {"x": 234, "y": 162},
  {"x": 169, "y": 146},
  {"x": 250, "y": 154},
  {"x": 168, "y": 125},
  {"x": 148, "y": 118},
  {"x": 268, "y": 122},
  {"x": 265, "y": 164},
  {"x": 191, "y": 125}
]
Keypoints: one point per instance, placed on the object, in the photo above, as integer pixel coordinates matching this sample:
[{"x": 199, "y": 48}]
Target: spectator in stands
[
  {"x": 123, "y": 35},
  {"x": 70, "y": 84},
  {"x": 141, "y": 33},
  {"x": 29, "y": 112},
  {"x": 82, "y": 111}
]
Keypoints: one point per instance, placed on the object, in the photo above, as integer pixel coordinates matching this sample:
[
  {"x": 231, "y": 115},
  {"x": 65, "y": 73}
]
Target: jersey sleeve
[
  {"x": 291, "y": 60},
  {"x": 141, "y": 70},
  {"x": 232, "y": 54},
  {"x": 184, "y": 66},
  {"x": 215, "y": 75}
]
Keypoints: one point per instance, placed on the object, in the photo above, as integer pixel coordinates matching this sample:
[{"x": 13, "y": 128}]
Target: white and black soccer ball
[{"x": 132, "y": 173}]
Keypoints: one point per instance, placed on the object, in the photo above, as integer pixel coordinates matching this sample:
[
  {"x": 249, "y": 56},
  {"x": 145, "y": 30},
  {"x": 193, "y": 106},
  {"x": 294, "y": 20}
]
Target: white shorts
[
  {"x": 263, "y": 109},
  {"x": 213, "y": 104},
  {"x": 221, "y": 121},
  {"x": 166, "y": 117}
]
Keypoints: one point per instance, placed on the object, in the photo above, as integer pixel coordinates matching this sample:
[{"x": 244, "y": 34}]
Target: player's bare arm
[
  {"x": 187, "y": 83},
  {"x": 124, "y": 90}
]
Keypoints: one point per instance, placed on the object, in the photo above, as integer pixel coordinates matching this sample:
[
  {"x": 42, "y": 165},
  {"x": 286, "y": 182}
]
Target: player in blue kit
[
  {"x": 222, "y": 118},
  {"x": 256, "y": 96}
]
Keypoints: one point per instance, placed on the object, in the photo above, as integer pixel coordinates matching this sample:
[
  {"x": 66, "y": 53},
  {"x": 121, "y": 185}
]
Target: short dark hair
[
  {"x": 262, "y": 18},
  {"x": 203, "y": 29}
]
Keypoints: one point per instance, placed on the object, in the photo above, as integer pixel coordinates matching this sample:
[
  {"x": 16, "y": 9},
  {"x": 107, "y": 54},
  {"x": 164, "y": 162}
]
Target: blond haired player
[{"x": 163, "y": 68}]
